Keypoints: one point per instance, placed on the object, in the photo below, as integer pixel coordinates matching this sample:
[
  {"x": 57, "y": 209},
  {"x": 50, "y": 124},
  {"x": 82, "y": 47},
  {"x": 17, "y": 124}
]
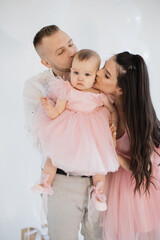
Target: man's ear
[{"x": 45, "y": 63}]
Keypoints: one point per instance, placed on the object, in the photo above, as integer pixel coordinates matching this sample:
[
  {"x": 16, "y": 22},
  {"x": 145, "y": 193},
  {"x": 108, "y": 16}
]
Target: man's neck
[{"x": 64, "y": 75}]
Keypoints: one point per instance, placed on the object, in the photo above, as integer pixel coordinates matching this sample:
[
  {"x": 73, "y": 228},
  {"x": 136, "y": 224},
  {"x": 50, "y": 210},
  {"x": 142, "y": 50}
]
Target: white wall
[{"x": 108, "y": 26}]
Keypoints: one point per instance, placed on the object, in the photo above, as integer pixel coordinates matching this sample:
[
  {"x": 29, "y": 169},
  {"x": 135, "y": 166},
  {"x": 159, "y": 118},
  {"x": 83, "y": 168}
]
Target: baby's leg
[
  {"x": 50, "y": 170},
  {"x": 99, "y": 178},
  {"x": 47, "y": 177},
  {"x": 97, "y": 194}
]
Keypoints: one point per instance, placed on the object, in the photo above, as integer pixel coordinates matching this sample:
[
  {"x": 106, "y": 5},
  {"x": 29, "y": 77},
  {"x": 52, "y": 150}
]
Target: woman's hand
[{"x": 113, "y": 129}]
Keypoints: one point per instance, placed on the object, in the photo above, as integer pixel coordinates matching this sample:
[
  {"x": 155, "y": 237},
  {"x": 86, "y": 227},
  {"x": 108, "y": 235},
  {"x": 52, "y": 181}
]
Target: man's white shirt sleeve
[{"x": 34, "y": 89}]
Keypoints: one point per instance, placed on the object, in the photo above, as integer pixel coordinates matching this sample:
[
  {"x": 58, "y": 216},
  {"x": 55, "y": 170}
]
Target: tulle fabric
[
  {"x": 131, "y": 216},
  {"x": 59, "y": 89},
  {"x": 79, "y": 141}
]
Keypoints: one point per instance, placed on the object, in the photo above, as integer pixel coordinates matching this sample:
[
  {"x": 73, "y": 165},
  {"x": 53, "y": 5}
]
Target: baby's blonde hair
[{"x": 86, "y": 54}]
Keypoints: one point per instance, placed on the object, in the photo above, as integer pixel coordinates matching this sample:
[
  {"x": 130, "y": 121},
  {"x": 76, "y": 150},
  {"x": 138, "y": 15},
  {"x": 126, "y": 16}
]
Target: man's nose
[{"x": 71, "y": 52}]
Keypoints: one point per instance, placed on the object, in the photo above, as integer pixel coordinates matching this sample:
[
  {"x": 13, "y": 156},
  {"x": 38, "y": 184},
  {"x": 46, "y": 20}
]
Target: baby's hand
[{"x": 46, "y": 104}]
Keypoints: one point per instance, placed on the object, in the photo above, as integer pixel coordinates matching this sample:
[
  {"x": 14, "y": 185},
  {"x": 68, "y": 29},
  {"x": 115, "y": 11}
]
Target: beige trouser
[{"x": 67, "y": 208}]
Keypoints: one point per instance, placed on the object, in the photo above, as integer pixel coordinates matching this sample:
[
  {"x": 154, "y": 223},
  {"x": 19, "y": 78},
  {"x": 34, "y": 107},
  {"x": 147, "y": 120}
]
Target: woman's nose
[{"x": 98, "y": 73}]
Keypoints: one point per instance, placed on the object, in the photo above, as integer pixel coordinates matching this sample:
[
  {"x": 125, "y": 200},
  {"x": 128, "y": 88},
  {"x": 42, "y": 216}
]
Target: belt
[{"x": 60, "y": 171}]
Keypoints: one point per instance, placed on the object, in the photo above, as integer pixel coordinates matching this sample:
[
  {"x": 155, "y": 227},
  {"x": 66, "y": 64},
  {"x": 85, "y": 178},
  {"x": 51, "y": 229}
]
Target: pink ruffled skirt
[
  {"x": 80, "y": 143},
  {"x": 132, "y": 216}
]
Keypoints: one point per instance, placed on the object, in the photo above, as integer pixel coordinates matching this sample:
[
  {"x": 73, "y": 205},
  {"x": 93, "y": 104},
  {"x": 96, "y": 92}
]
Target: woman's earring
[{"x": 119, "y": 93}]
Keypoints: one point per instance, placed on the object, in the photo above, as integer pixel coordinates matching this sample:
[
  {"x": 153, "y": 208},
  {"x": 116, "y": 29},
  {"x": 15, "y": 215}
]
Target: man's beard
[{"x": 59, "y": 69}]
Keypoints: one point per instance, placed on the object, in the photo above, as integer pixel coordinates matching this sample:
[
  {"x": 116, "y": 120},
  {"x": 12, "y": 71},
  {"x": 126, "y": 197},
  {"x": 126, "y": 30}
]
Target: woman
[{"x": 133, "y": 192}]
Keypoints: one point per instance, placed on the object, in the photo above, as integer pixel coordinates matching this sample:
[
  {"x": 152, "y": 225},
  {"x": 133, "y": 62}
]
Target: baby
[{"x": 75, "y": 134}]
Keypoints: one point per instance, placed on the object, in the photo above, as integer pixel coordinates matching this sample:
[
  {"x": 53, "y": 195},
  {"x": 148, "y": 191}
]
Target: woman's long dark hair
[{"x": 139, "y": 116}]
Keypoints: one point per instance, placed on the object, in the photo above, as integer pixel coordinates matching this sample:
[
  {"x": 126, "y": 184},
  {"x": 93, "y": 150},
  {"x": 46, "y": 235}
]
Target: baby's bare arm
[{"x": 53, "y": 112}]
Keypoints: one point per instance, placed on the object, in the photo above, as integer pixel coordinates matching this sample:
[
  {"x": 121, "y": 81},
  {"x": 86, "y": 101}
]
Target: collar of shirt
[{"x": 63, "y": 77}]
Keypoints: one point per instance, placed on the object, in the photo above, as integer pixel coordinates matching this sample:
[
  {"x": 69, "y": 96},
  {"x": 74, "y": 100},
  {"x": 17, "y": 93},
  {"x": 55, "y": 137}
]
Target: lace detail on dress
[{"x": 59, "y": 89}]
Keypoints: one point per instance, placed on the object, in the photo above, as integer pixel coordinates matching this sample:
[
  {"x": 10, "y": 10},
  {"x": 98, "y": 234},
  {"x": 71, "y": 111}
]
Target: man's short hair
[{"x": 44, "y": 32}]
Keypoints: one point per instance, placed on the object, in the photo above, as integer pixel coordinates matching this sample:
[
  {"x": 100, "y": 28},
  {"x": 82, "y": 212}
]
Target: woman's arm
[
  {"x": 124, "y": 162},
  {"x": 53, "y": 112},
  {"x": 112, "y": 109}
]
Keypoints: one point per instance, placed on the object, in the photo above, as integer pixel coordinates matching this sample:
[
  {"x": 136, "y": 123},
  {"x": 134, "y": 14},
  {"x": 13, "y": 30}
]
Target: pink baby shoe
[
  {"x": 98, "y": 198},
  {"x": 43, "y": 187}
]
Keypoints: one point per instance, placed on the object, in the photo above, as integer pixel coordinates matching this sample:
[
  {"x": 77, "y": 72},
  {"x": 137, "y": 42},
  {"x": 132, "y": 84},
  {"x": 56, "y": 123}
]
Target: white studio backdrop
[{"x": 107, "y": 26}]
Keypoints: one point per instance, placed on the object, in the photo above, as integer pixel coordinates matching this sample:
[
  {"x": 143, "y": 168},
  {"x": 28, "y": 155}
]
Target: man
[{"x": 68, "y": 206}]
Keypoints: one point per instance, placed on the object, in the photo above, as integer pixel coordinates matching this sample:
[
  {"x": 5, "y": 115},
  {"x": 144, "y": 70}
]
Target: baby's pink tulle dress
[
  {"x": 78, "y": 141},
  {"x": 129, "y": 216}
]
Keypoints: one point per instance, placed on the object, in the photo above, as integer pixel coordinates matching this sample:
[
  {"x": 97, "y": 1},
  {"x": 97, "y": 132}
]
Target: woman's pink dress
[
  {"x": 131, "y": 216},
  {"x": 78, "y": 141}
]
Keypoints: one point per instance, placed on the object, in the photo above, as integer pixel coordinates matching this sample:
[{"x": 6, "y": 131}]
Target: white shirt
[{"x": 34, "y": 89}]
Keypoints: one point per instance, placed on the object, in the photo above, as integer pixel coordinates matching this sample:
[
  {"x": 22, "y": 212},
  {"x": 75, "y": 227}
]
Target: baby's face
[{"x": 83, "y": 73}]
